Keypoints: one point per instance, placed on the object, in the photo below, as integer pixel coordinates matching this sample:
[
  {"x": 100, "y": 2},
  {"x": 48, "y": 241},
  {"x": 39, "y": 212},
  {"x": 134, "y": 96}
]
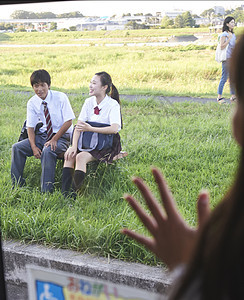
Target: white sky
[{"x": 109, "y": 8}]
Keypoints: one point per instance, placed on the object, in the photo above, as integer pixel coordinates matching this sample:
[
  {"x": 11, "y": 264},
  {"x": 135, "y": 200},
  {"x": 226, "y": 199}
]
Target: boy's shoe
[{"x": 233, "y": 99}]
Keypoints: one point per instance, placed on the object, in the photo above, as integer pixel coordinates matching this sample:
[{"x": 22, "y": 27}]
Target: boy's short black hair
[{"x": 40, "y": 76}]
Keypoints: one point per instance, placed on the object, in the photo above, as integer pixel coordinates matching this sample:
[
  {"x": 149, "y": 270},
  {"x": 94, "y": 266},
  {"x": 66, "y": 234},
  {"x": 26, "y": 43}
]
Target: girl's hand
[
  {"x": 173, "y": 241},
  {"x": 229, "y": 35},
  {"x": 70, "y": 153},
  {"x": 83, "y": 126}
]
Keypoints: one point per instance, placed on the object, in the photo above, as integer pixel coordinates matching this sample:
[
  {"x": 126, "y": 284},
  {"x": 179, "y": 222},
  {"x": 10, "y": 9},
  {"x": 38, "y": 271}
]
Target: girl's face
[
  {"x": 96, "y": 88},
  {"x": 231, "y": 24}
]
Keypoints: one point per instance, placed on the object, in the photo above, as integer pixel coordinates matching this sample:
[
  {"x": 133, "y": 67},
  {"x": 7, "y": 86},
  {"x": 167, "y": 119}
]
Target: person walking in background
[
  {"x": 53, "y": 109},
  {"x": 100, "y": 114},
  {"x": 209, "y": 260},
  {"x": 227, "y": 39}
]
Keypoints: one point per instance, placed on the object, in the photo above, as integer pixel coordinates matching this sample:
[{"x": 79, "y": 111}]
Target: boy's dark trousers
[{"x": 21, "y": 150}]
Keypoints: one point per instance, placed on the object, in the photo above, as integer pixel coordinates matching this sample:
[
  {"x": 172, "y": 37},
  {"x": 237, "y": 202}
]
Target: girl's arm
[
  {"x": 224, "y": 41},
  {"x": 83, "y": 126},
  {"x": 72, "y": 151}
]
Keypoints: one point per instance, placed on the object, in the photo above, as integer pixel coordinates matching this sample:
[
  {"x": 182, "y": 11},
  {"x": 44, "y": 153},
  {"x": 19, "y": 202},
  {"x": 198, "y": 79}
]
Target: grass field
[
  {"x": 182, "y": 70},
  {"x": 190, "y": 142},
  {"x": 189, "y": 70},
  {"x": 103, "y": 35}
]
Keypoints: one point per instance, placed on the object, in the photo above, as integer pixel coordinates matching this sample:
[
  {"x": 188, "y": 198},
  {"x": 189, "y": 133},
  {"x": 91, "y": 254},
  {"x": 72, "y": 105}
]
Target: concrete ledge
[{"x": 17, "y": 256}]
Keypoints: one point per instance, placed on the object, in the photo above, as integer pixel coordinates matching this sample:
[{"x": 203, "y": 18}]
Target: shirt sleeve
[
  {"x": 67, "y": 110},
  {"x": 31, "y": 119},
  {"x": 84, "y": 112},
  {"x": 115, "y": 115}
]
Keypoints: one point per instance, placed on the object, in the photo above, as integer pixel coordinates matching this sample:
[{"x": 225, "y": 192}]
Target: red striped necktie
[{"x": 48, "y": 120}]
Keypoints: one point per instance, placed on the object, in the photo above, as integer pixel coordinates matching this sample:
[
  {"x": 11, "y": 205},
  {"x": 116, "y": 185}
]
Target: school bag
[
  {"x": 89, "y": 140},
  {"x": 24, "y": 134}
]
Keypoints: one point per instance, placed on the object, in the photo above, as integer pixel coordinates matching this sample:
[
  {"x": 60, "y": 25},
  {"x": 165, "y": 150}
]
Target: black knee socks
[
  {"x": 77, "y": 180},
  {"x": 67, "y": 178}
]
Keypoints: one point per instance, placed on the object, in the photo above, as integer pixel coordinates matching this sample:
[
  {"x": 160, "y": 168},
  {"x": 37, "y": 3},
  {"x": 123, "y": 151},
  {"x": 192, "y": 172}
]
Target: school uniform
[
  {"x": 60, "y": 111},
  {"x": 106, "y": 112}
]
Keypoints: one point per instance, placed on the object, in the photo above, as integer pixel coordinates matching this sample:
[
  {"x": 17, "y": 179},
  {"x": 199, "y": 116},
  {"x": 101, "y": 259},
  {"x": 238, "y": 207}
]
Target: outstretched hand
[{"x": 173, "y": 241}]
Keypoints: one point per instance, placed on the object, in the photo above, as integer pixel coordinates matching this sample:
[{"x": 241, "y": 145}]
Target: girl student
[
  {"x": 208, "y": 261},
  {"x": 101, "y": 109},
  {"x": 227, "y": 39}
]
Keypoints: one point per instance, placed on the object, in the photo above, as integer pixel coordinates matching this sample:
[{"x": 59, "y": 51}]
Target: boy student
[{"x": 53, "y": 109}]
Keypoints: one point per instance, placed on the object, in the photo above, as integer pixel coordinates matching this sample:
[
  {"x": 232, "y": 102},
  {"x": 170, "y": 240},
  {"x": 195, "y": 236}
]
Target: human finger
[
  {"x": 146, "y": 241},
  {"x": 166, "y": 196},
  {"x": 151, "y": 202},
  {"x": 141, "y": 213},
  {"x": 203, "y": 208}
]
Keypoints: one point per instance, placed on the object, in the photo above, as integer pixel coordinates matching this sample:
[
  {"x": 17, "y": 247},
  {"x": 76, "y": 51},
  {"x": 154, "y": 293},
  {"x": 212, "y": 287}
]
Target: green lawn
[{"x": 190, "y": 142}]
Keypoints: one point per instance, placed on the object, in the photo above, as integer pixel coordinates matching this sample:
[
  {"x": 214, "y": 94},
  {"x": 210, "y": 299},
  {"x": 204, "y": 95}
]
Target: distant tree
[
  {"x": 138, "y": 14},
  {"x": 148, "y": 15},
  {"x": 134, "y": 25},
  {"x": 53, "y": 26},
  {"x": 22, "y": 14},
  {"x": 188, "y": 20},
  {"x": 63, "y": 29},
  {"x": 206, "y": 13},
  {"x": 167, "y": 22},
  {"x": 2, "y": 26},
  {"x": 229, "y": 12},
  {"x": 9, "y": 26},
  {"x": 72, "y": 28},
  {"x": 179, "y": 21},
  {"x": 238, "y": 14},
  {"x": 75, "y": 14},
  {"x": 126, "y": 15},
  {"x": 21, "y": 30},
  {"x": 46, "y": 15}
]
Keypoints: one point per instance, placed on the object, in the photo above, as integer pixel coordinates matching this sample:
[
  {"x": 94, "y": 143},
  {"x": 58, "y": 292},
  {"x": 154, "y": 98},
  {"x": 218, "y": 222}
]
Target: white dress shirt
[
  {"x": 59, "y": 108},
  {"x": 109, "y": 111}
]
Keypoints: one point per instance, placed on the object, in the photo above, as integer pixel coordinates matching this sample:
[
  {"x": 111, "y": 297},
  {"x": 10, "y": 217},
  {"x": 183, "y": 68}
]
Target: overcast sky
[{"x": 109, "y": 8}]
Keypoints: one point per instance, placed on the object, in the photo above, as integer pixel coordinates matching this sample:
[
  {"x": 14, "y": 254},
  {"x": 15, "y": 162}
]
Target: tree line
[{"x": 22, "y": 14}]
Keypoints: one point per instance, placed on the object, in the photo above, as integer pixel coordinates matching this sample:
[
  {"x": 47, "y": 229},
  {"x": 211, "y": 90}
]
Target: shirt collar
[{"x": 102, "y": 103}]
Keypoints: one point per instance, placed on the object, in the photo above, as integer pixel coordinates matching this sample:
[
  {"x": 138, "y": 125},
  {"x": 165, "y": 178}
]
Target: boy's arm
[
  {"x": 31, "y": 135},
  {"x": 57, "y": 136}
]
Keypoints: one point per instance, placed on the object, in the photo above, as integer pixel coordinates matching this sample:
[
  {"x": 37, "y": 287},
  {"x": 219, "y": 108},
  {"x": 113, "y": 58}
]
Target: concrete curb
[{"x": 17, "y": 256}]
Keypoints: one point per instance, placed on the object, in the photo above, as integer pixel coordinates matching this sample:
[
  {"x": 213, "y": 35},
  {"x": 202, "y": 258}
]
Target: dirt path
[{"x": 169, "y": 99}]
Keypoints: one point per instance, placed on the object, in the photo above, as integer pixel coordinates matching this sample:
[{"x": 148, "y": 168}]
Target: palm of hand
[{"x": 173, "y": 241}]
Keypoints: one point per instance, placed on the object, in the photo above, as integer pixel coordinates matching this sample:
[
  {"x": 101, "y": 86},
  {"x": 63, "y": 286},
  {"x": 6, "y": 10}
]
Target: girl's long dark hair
[
  {"x": 225, "y": 27},
  {"x": 107, "y": 80},
  {"x": 218, "y": 261},
  {"x": 111, "y": 89}
]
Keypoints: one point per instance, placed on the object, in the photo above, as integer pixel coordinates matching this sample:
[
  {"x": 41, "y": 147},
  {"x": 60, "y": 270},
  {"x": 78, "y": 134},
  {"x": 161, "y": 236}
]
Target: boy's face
[{"x": 41, "y": 89}]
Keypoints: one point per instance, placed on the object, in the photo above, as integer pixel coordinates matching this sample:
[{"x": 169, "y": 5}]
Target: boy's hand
[
  {"x": 37, "y": 152},
  {"x": 52, "y": 143},
  {"x": 173, "y": 241}
]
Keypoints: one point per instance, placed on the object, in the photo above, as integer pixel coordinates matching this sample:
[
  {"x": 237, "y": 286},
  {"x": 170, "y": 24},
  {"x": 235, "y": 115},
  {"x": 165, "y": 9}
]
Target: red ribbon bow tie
[{"x": 96, "y": 110}]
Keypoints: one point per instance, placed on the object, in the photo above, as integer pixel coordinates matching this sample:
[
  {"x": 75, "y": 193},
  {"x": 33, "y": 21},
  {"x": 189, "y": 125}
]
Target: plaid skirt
[{"x": 107, "y": 155}]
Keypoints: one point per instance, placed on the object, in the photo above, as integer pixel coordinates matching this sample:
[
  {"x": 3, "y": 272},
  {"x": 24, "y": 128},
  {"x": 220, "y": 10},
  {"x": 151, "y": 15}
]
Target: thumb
[{"x": 203, "y": 209}]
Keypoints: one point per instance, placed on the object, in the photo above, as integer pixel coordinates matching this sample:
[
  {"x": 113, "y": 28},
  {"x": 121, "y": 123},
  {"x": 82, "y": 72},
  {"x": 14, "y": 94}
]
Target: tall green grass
[
  {"x": 78, "y": 36},
  {"x": 190, "y": 142},
  {"x": 183, "y": 70}
]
